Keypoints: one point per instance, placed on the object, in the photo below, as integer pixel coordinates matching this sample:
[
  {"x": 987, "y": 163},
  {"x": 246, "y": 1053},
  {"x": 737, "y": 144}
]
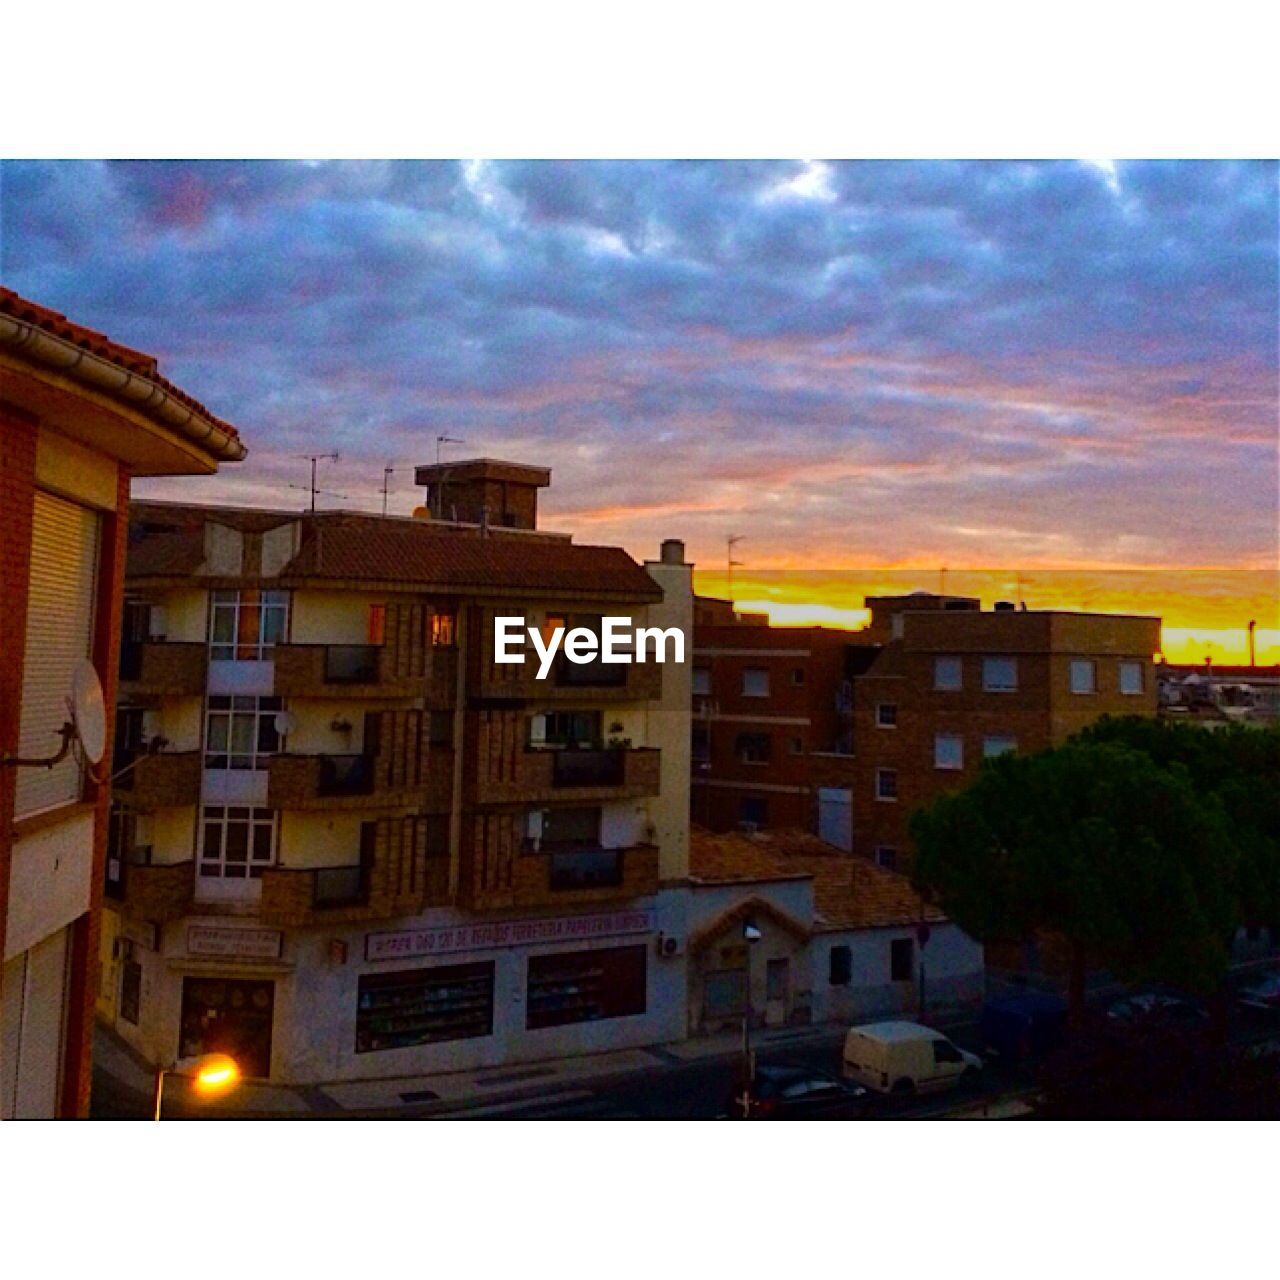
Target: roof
[
  {"x": 482, "y": 469},
  {"x": 168, "y": 540},
  {"x": 850, "y": 892},
  {"x": 220, "y": 438}
]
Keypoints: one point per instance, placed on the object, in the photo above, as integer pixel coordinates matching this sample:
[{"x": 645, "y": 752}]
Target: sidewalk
[{"x": 123, "y": 1082}]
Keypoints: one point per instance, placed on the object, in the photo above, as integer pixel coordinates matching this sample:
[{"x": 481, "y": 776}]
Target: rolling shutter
[
  {"x": 64, "y": 560},
  {"x": 32, "y": 1026}
]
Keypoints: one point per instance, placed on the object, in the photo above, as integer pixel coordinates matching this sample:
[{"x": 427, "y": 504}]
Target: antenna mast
[
  {"x": 313, "y": 458},
  {"x": 441, "y": 441},
  {"x": 730, "y": 542},
  {"x": 387, "y": 473}
]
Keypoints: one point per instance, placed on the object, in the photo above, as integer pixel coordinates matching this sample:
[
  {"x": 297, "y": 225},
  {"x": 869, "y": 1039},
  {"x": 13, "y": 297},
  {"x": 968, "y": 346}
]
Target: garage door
[{"x": 32, "y": 1019}]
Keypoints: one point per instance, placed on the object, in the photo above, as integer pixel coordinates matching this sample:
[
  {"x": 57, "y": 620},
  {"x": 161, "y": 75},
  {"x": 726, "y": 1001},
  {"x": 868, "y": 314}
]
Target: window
[
  {"x": 585, "y": 986},
  {"x": 1084, "y": 675},
  {"x": 795, "y": 746},
  {"x": 886, "y": 784},
  {"x": 578, "y": 827},
  {"x": 998, "y": 744},
  {"x": 753, "y": 811},
  {"x": 755, "y": 683},
  {"x": 886, "y": 857},
  {"x": 442, "y": 631},
  {"x": 237, "y": 841},
  {"x": 887, "y": 715},
  {"x": 841, "y": 966},
  {"x": 945, "y": 1051},
  {"x": 701, "y": 749},
  {"x": 424, "y": 1006},
  {"x": 377, "y": 624},
  {"x": 901, "y": 960},
  {"x": 580, "y": 729},
  {"x": 440, "y": 728},
  {"x": 797, "y": 675},
  {"x": 1000, "y": 675},
  {"x": 240, "y": 731},
  {"x": 948, "y": 673},
  {"x": 753, "y": 748},
  {"x": 948, "y": 751},
  {"x": 1132, "y": 678},
  {"x": 245, "y": 626},
  {"x": 777, "y": 979},
  {"x": 702, "y": 681}
]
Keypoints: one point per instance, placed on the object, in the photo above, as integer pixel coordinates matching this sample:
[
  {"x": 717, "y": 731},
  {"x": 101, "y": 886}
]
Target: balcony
[
  {"x": 382, "y": 885},
  {"x": 168, "y": 779},
  {"x": 153, "y": 891},
  {"x": 610, "y": 773},
  {"x": 569, "y": 682},
  {"x": 363, "y": 671},
  {"x": 570, "y": 877},
  {"x": 356, "y": 782},
  {"x": 162, "y": 669}
]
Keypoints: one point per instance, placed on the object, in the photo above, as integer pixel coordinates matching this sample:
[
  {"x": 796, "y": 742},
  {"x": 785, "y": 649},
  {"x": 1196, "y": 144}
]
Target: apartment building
[
  {"x": 768, "y": 704},
  {"x": 352, "y": 844},
  {"x": 952, "y": 684},
  {"x": 80, "y": 415}
]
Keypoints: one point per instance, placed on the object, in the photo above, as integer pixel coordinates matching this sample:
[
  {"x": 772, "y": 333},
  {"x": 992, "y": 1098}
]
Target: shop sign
[
  {"x": 505, "y": 933},
  {"x": 234, "y": 944}
]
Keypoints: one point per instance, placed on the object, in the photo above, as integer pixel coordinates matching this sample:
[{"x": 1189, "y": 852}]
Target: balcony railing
[
  {"x": 345, "y": 776},
  {"x": 585, "y": 868},
  {"x": 162, "y": 668},
  {"x": 601, "y": 767},
  {"x": 351, "y": 663},
  {"x": 346, "y": 886},
  {"x": 590, "y": 675}
]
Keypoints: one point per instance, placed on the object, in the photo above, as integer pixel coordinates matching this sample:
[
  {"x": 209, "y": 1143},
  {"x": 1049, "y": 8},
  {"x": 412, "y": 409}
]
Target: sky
[{"x": 1059, "y": 370}]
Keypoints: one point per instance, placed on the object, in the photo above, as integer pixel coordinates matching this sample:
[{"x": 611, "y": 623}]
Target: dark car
[
  {"x": 1028, "y": 1024},
  {"x": 796, "y": 1093},
  {"x": 1261, "y": 994},
  {"x": 1158, "y": 1006}
]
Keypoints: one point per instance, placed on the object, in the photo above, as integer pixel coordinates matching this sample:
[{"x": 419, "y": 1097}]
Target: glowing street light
[{"x": 211, "y": 1075}]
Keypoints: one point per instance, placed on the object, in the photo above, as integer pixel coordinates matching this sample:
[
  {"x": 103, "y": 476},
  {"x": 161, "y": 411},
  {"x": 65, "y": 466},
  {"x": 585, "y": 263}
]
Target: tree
[{"x": 1095, "y": 842}]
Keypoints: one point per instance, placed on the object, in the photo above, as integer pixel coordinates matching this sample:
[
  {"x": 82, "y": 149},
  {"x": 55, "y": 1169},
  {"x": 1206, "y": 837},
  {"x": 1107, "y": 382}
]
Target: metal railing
[
  {"x": 601, "y": 767},
  {"x": 585, "y": 868},
  {"x": 345, "y": 776},
  {"x": 351, "y": 664},
  {"x": 341, "y": 886}
]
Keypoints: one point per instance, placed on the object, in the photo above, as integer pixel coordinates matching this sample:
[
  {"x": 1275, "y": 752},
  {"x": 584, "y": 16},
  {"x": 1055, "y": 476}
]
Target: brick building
[
  {"x": 768, "y": 704},
  {"x": 353, "y": 844},
  {"x": 79, "y": 416}
]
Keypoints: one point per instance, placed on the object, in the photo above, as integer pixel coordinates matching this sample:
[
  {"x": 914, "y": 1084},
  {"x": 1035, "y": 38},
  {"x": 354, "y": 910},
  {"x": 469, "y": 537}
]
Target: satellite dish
[
  {"x": 88, "y": 711},
  {"x": 285, "y": 722}
]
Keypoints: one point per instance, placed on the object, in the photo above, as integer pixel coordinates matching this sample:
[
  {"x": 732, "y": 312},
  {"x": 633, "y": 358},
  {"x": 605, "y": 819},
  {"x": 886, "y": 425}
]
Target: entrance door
[
  {"x": 777, "y": 978},
  {"x": 835, "y": 816},
  {"x": 229, "y": 1015}
]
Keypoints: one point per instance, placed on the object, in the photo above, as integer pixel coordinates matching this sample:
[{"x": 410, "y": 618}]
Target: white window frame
[
  {"x": 239, "y": 709},
  {"x": 881, "y": 774},
  {"x": 1080, "y": 665},
  {"x": 990, "y": 683},
  {"x": 272, "y": 605},
  {"x": 990, "y": 738},
  {"x": 755, "y": 671},
  {"x": 949, "y": 738},
  {"x": 1131, "y": 665},
  {"x": 943, "y": 686},
  {"x": 881, "y": 722},
  {"x": 253, "y": 818}
]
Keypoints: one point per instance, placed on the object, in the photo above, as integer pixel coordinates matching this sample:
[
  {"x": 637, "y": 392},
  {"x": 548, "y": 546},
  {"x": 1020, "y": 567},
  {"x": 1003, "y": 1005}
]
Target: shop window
[
  {"x": 245, "y": 626},
  {"x": 901, "y": 960},
  {"x": 841, "y": 960},
  {"x": 586, "y": 986},
  {"x": 240, "y": 732},
  {"x": 424, "y": 1006},
  {"x": 231, "y": 1016},
  {"x": 755, "y": 683},
  {"x": 1000, "y": 675}
]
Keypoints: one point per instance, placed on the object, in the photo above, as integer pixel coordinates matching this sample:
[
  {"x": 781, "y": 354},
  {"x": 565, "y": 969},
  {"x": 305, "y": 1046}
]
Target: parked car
[
  {"x": 1261, "y": 993},
  {"x": 1027, "y": 1024},
  {"x": 905, "y": 1057},
  {"x": 797, "y": 1093},
  {"x": 1158, "y": 1006}
]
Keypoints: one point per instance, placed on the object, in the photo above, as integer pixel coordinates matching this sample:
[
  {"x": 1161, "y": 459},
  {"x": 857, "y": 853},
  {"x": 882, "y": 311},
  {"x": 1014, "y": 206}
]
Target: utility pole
[{"x": 730, "y": 542}]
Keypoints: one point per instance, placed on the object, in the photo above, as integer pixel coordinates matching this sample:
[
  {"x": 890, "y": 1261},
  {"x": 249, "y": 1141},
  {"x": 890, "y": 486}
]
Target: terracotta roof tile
[{"x": 849, "y": 892}]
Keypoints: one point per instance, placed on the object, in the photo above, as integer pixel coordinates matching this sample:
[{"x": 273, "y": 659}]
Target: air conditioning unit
[{"x": 669, "y": 945}]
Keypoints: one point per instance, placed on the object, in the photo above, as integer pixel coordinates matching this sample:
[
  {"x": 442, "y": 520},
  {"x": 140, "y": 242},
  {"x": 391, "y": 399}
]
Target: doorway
[{"x": 231, "y": 1016}]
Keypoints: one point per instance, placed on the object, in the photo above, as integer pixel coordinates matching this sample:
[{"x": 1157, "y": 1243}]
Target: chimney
[{"x": 672, "y": 551}]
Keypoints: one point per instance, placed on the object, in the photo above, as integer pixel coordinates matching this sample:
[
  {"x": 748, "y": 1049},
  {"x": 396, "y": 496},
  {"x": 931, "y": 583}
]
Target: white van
[{"x": 905, "y": 1057}]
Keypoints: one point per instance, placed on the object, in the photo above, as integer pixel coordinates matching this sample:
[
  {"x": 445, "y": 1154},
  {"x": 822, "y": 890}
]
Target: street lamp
[
  {"x": 211, "y": 1075},
  {"x": 751, "y": 935}
]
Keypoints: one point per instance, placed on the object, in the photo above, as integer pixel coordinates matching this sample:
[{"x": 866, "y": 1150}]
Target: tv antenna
[
  {"x": 313, "y": 458},
  {"x": 441, "y": 441},
  {"x": 387, "y": 473},
  {"x": 730, "y": 542}
]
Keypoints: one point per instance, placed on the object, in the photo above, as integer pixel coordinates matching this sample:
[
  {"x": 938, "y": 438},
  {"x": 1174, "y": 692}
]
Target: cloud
[{"x": 1043, "y": 362}]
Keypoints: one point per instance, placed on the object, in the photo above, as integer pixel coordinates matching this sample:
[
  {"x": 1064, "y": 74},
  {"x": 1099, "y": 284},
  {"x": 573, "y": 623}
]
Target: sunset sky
[{"x": 1058, "y": 371}]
